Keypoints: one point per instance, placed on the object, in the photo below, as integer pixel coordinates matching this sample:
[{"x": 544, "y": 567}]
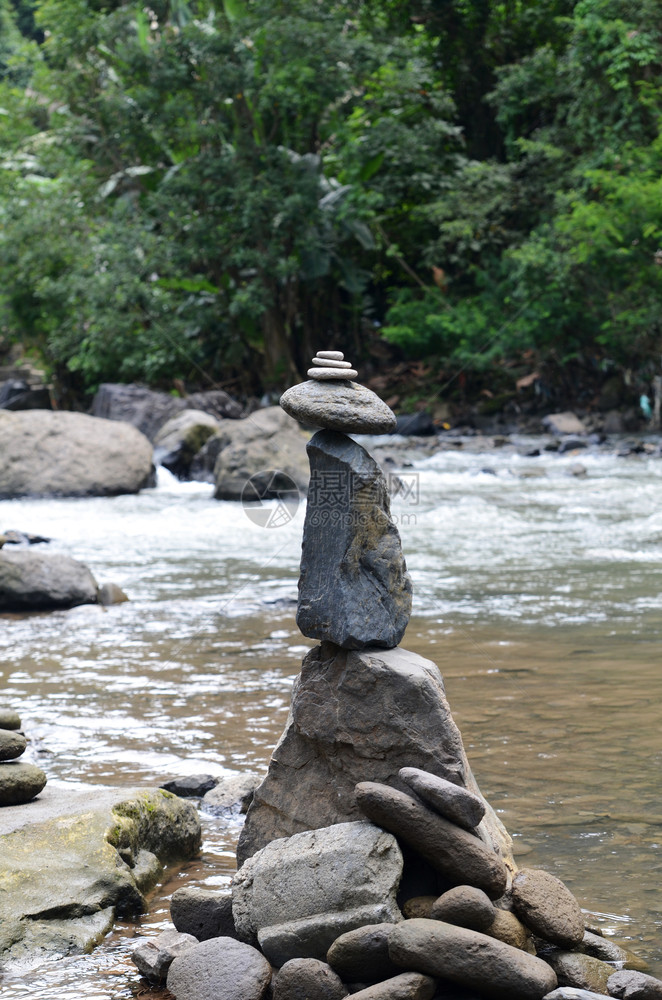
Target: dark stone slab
[{"x": 354, "y": 588}]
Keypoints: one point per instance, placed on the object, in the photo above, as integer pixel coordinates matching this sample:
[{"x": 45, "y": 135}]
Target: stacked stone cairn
[
  {"x": 19, "y": 782},
  {"x": 369, "y": 862}
]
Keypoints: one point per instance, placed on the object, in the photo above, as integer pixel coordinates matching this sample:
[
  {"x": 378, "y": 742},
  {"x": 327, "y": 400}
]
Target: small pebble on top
[{"x": 329, "y": 365}]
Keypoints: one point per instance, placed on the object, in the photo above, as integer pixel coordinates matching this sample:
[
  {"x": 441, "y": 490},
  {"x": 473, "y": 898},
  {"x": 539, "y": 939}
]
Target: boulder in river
[
  {"x": 70, "y": 455},
  {"x": 35, "y": 581},
  {"x": 149, "y": 410},
  {"x": 354, "y": 589},
  {"x": 180, "y": 439},
  {"x": 266, "y": 442},
  {"x": 358, "y": 716},
  {"x": 72, "y": 861}
]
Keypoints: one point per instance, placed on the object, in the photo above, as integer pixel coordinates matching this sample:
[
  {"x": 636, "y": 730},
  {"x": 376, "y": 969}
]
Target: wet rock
[
  {"x": 571, "y": 443},
  {"x": 578, "y": 470},
  {"x": 468, "y": 958},
  {"x": 548, "y": 908},
  {"x": 299, "y": 894},
  {"x": 180, "y": 439},
  {"x": 190, "y": 785},
  {"x": 338, "y": 406},
  {"x": 109, "y": 594},
  {"x": 204, "y": 913},
  {"x": 17, "y": 394},
  {"x": 64, "y": 880},
  {"x": 9, "y": 719},
  {"x": 563, "y": 423},
  {"x": 35, "y": 581},
  {"x": 406, "y": 986},
  {"x": 362, "y": 955},
  {"x": 629, "y": 985},
  {"x": 308, "y": 979},
  {"x": 354, "y": 589},
  {"x": 20, "y": 783},
  {"x": 603, "y": 948},
  {"x": 148, "y": 410},
  {"x": 445, "y": 797},
  {"x": 70, "y": 455},
  {"x": 233, "y": 793},
  {"x": 12, "y": 744},
  {"x": 354, "y": 716},
  {"x": 219, "y": 969},
  {"x": 507, "y": 928},
  {"x": 267, "y": 448},
  {"x": 154, "y": 956},
  {"x": 582, "y": 971},
  {"x": 418, "y": 424},
  {"x": 465, "y": 906},
  {"x": 459, "y": 856}
]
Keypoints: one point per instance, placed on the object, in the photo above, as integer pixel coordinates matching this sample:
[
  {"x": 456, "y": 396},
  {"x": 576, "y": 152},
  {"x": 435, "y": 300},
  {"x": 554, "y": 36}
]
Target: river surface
[{"x": 537, "y": 593}]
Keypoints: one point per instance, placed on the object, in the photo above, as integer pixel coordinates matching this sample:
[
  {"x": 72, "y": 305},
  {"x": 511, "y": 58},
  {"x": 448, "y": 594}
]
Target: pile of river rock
[
  {"x": 369, "y": 863},
  {"x": 19, "y": 781}
]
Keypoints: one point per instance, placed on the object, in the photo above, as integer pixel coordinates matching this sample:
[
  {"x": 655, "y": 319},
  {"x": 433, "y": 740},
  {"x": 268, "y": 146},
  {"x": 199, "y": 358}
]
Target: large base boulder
[
  {"x": 32, "y": 581},
  {"x": 70, "y": 455},
  {"x": 358, "y": 716}
]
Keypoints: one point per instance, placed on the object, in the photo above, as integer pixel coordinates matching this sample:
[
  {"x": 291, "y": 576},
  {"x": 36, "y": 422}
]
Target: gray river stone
[
  {"x": 154, "y": 956},
  {"x": 465, "y": 906},
  {"x": 9, "y": 719},
  {"x": 338, "y": 406},
  {"x": 297, "y": 895},
  {"x": 267, "y": 448},
  {"x": 308, "y": 979},
  {"x": 468, "y": 958},
  {"x": 35, "y": 581},
  {"x": 358, "y": 716},
  {"x": 631, "y": 985},
  {"x": 62, "y": 454},
  {"x": 20, "y": 782},
  {"x": 547, "y": 906},
  {"x": 361, "y": 955},
  {"x": 459, "y": 856},
  {"x": 445, "y": 797},
  {"x": 582, "y": 971},
  {"x": 204, "y": 913},
  {"x": 12, "y": 744},
  {"x": 219, "y": 969},
  {"x": 354, "y": 589},
  {"x": 73, "y": 862}
]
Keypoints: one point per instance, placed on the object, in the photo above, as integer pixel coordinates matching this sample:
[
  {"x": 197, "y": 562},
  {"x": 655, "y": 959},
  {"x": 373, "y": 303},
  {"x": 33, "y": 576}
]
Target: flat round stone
[
  {"x": 331, "y": 373},
  {"x": 338, "y": 406},
  {"x": 331, "y": 355},
  {"x": 12, "y": 744},
  {"x": 330, "y": 363}
]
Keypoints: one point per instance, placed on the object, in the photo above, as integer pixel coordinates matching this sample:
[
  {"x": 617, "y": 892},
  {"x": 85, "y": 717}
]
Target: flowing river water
[{"x": 537, "y": 593}]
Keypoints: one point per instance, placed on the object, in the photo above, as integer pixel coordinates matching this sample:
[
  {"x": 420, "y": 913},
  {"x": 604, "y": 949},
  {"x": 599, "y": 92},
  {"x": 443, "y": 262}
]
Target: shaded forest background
[{"x": 464, "y": 192}]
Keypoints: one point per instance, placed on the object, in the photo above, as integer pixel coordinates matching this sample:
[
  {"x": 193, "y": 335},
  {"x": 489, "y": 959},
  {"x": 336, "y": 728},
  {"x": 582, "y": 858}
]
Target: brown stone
[{"x": 548, "y": 907}]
